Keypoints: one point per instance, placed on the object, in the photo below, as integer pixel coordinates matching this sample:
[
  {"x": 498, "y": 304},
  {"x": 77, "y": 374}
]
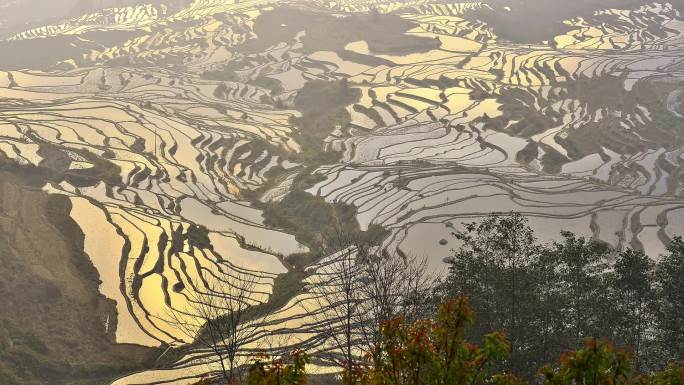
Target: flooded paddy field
[{"x": 191, "y": 142}]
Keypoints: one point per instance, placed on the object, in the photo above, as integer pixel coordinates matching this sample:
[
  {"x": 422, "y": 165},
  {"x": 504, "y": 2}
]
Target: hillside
[{"x": 162, "y": 148}]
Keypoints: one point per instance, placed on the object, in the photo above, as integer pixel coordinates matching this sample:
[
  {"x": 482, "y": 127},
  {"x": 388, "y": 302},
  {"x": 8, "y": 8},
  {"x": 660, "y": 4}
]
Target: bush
[
  {"x": 279, "y": 372},
  {"x": 434, "y": 352}
]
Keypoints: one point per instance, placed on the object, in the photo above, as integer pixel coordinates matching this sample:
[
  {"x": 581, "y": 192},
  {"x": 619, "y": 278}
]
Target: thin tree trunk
[
  {"x": 224, "y": 371},
  {"x": 637, "y": 344}
]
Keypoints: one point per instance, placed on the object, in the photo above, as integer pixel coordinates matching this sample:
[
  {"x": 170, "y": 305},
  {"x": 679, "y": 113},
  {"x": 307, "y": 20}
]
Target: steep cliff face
[{"x": 55, "y": 327}]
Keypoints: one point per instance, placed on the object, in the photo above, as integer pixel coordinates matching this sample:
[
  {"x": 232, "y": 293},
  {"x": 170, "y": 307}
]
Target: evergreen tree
[
  {"x": 670, "y": 281},
  {"x": 583, "y": 302},
  {"x": 495, "y": 268},
  {"x": 550, "y": 296},
  {"x": 631, "y": 291}
]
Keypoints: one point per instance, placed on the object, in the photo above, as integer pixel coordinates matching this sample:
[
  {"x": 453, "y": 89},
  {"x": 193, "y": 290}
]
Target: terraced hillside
[{"x": 205, "y": 142}]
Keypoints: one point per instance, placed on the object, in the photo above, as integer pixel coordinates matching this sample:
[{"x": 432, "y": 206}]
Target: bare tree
[
  {"x": 357, "y": 287},
  {"x": 335, "y": 293},
  {"x": 219, "y": 316},
  {"x": 393, "y": 285}
]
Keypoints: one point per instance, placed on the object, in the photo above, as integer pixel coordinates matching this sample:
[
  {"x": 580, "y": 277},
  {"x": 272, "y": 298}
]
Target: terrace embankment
[
  {"x": 55, "y": 327},
  {"x": 542, "y": 19}
]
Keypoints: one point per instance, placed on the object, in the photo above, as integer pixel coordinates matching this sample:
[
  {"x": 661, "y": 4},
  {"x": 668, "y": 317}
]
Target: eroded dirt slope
[{"x": 54, "y": 325}]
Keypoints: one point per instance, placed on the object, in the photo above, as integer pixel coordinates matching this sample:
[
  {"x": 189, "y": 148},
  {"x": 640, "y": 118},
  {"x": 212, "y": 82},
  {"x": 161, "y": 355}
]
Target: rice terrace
[{"x": 189, "y": 185}]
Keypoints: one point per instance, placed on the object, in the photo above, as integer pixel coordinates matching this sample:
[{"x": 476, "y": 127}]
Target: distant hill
[{"x": 16, "y": 16}]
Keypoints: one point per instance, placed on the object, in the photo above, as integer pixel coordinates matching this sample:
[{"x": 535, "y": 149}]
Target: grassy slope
[{"x": 52, "y": 317}]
